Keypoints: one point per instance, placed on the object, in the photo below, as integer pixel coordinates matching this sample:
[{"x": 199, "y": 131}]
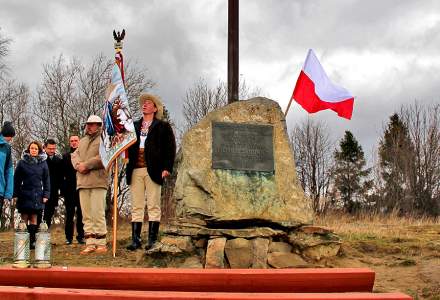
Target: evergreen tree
[
  {"x": 396, "y": 159},
  {"x": 350, "y": 174}
]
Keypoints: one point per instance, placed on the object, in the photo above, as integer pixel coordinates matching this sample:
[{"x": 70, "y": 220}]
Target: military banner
[{"x": 118, "y": 130}]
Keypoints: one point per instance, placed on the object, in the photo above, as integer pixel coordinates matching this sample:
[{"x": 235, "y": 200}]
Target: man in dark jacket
[
  {"x": 54, "y": 162},
  {"x": 6, "y": 167},
  {"x": 71, "y": 196},
  {"x": 151, "y": 160}
]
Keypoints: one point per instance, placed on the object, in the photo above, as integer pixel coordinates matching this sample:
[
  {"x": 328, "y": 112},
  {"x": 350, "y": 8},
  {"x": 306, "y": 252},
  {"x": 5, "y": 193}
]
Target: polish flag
[{"x": 314, "y": 91}]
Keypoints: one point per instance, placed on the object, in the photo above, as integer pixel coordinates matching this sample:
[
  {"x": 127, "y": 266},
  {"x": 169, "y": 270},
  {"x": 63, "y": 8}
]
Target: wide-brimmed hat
[
  {"x": 94, "y": 119},
  {"x": 156, "y": 100}
]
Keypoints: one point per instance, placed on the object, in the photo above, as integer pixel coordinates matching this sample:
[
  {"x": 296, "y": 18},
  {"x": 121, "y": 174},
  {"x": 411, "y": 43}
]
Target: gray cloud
[{"x": 385, "y": 53}]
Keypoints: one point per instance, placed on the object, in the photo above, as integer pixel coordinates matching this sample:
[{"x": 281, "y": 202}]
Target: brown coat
[{"x": 88, "y": 153}]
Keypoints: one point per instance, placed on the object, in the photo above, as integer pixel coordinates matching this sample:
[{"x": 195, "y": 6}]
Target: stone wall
[{"x": 263, "y": 248}]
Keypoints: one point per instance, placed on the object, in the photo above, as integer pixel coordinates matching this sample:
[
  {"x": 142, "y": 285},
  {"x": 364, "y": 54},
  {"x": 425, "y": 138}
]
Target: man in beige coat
[{"x": 91, "y": 180}]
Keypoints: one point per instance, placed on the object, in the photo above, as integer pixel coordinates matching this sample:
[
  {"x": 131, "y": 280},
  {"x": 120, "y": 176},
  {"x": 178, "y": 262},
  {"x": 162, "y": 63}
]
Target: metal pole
[{"x": 232, "y": 51}]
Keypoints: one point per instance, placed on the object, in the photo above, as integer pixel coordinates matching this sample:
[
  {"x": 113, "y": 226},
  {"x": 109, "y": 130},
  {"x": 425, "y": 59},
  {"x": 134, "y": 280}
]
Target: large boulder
[
  {"x": 238, "y": 198},
  {"x": 317, "y": 245}
]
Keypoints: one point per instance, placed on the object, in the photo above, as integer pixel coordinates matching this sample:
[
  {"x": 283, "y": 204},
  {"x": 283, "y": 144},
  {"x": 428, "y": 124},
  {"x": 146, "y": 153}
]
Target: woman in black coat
[{"x": 32, "y": 186}]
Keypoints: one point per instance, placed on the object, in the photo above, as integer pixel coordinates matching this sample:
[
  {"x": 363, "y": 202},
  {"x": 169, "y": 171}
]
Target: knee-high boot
[
  {"x": 153, "y": 232},
  {"x": 136, "y": 241}
]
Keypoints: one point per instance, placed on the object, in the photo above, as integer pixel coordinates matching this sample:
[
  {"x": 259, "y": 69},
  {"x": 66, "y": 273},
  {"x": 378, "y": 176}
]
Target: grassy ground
[
  {"x": 404, "y": 253},
  {"x": 68, "y": 255}
]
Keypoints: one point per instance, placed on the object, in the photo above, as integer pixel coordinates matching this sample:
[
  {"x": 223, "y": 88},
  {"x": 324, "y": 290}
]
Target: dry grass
[
  {"x": 376, "y": 225},
  {"x": 403, "y": 251}
]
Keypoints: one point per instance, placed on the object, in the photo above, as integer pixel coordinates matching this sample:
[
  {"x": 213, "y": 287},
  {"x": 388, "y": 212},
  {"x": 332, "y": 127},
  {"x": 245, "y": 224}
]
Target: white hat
[{"x": 94, "y": 119}]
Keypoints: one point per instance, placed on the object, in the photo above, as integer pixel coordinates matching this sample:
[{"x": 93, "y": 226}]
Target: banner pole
[
  {"x": 288, "y": 106},
  {"x": 115, "y": 205}
]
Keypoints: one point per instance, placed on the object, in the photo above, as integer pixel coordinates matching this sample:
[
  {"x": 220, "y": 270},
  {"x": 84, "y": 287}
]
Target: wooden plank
[
  {"x": 17, "y": 293},
  {"x": 195, "y": 280}
]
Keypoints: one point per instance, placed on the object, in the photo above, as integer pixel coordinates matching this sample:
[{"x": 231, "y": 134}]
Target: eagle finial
[{"x": 118, "y": 39}]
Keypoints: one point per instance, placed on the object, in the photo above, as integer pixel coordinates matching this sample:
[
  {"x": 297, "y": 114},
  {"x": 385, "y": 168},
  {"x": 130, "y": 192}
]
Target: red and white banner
[{"x": 314, "y": 91}]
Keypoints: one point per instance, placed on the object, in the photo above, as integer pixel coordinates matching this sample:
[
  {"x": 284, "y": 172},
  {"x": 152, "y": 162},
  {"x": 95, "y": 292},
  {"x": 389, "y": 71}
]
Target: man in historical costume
[
  {"x": 91, "y": 179},
  {"x": 151, "y": 160}
]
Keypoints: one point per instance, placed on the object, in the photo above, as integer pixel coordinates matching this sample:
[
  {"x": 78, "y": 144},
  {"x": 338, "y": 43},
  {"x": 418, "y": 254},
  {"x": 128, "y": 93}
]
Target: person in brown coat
[{"x": 91, "y": 181}]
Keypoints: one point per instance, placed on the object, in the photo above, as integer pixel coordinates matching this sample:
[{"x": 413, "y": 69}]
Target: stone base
[{"x": 253, "y": 247}]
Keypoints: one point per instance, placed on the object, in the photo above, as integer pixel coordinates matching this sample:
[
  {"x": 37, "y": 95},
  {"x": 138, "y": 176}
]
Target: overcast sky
[{"x": 386, "y": 53}]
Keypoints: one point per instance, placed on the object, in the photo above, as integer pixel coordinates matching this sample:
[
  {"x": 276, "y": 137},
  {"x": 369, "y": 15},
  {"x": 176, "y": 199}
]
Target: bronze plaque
[{"x": 245, "y": 147}]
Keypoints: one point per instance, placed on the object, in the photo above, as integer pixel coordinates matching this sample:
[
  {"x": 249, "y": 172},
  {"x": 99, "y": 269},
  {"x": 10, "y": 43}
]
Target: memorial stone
[{"x": 237, "y": 170}]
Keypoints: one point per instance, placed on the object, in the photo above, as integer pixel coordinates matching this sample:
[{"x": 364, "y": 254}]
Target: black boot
[
  {"x": 32, "y": 228},
  {"x": 153, "y": 231},
  {"x": 136, "y": 241}
]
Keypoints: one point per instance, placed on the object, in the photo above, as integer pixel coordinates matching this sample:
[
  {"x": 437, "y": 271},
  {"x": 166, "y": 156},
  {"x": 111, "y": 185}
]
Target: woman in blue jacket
[{"x": 32, "y": 186}]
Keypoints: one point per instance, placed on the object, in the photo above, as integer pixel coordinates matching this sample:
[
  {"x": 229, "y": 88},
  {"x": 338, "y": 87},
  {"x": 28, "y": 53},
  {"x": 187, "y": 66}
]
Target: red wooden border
[
  {"x": 195, "y": 280},
  {"x": 16, "y": 293}
]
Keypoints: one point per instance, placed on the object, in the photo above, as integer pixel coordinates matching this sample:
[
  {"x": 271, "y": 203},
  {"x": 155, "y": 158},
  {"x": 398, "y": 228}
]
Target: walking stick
[{"x": 115, "y": 205}]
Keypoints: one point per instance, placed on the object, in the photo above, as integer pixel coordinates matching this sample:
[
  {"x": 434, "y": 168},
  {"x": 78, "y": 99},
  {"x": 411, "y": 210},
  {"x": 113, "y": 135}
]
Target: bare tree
[
  {"x": 136, "y": 82},
  {"x": 14, "y": 99},
  {"x": 14, "y": 106},
  {"x": 92, "y": 83},
  {"x": 4, "y": 51},
  {"x": 423, "y": 123},
  {"x": 71, "y": 91},
  {"x": 409, "y": 165},
  {"x": 201, "y": 99},
  {"x": 312, "y": 149},
  {"x": 57, "y": 100}
]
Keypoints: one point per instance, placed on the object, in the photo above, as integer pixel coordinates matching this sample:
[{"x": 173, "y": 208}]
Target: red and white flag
[{"x": 314, "y": 91}]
